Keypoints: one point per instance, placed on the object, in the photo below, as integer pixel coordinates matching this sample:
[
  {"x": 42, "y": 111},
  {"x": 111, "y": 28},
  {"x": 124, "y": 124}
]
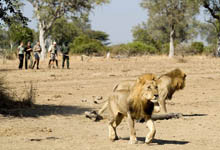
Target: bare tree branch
[{"x": 206, "y": 4}]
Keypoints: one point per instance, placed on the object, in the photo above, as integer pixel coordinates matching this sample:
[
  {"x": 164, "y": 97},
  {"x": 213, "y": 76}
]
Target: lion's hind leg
[
  {"x": 113, "y": 123},
  {"x": 151, "y": 134}
]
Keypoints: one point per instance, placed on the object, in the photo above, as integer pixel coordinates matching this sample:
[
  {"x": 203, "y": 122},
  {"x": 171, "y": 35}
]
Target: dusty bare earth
[{"x": 58, "y": 122}]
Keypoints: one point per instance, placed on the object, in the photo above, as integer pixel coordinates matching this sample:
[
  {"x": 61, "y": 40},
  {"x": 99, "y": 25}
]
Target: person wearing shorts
[
  {"x": 53, "y": 54},
  {"x": 37, "y": 51}
]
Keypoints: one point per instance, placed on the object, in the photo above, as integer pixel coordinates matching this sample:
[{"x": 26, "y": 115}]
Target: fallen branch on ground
[
  {"x": 167, "y": 116},
  {"x": 93, "y": 116},
  {"x": 96, "y": 117}
]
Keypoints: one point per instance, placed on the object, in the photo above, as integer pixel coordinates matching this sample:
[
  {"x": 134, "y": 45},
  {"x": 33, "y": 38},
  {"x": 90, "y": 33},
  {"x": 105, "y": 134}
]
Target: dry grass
[
  {"x": 9, "y": 99},
  {"x": 181, "y": 59}
]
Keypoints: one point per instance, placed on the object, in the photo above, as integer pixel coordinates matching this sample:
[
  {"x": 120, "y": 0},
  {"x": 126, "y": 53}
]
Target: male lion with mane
[
  {"x": 134, "y": 104},
  {"x": 168, "y": 84}
]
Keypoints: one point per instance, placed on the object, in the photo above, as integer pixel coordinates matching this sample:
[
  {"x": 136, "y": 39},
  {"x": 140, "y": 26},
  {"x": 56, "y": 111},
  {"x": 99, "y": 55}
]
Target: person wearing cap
[
  {"x": 65, "y": 51},
  {"x": 53, "y": 54}
]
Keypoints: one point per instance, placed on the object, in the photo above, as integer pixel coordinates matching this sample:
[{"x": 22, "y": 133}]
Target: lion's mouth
[{"x": 155, "y": 99}]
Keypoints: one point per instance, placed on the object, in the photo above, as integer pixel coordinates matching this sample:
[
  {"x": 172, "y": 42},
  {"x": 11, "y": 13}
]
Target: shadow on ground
[
  {"x": 160, "y": 141},
  {"x": 7, "y": 70},
  {"x": 44, "y": 110},
  {"x": 194, "y": 115},
  {"x": 164, "y": 142}
]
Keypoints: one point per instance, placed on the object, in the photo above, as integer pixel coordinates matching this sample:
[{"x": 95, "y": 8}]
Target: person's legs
[
  {"x": 21, "y": 59},
  {"x": 34, "y": 64},
  {"x": 49, "y": 63},
  {"x": 36, "y": 57},
  {"x": 56, "y": 62},
  {"x": 31, "y": 61},
  {"x": 26, "y": 61},
  {"x": 63, "y": 61},
  {"x": 38, "y": 61},
  {"x": 67, "y": 62}
]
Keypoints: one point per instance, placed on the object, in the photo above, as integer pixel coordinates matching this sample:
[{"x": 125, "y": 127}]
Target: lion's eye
[
  {"x": 156, "y": 87},
  {"x": 148, "y": 87}
]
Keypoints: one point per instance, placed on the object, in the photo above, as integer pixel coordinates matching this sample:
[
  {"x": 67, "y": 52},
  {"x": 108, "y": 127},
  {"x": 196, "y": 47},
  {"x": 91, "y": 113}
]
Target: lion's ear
[
  {"x": 154, "y": 77},
  {"x": 140, "y": 80}
]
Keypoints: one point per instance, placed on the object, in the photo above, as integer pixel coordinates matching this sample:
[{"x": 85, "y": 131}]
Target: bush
[
  {"x": 118, "y": 49},
  {"x": 165, "y": 48},
  {"x": 9, "y": 100},
  {"x": 84, "y": 45},
  {"x": 133, "y": 48},
  {"x": 9, "y": 54},
  {"x": 197, "y": 47},
  {"x": 140, "y": 48},
  {"x": 211, "y": 49}
]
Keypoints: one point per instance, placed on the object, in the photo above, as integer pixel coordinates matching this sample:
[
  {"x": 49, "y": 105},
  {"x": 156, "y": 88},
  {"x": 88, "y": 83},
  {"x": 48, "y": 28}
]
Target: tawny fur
[
  {"x": 133, "y": 104},
  {"x": 128, "y": 85},
  {"x": 138, "y": 102},
  {"x": 168, "y": 84}
]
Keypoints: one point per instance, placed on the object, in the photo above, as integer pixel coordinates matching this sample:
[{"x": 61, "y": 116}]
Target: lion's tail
[
  {"x": 103, "y": 109},
  {"x": 115, "y": 87}
]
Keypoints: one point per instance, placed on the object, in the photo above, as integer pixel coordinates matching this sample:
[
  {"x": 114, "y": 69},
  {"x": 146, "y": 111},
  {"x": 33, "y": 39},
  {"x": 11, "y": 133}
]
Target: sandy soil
[{"x": 58, "y": 121}]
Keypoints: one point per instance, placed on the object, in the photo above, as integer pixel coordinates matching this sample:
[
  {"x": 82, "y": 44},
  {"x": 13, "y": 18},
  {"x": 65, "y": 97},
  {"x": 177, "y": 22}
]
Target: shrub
[
  {"x": 9, "y": 54},
  {"x": 9, "y": 100},
  {"x": 140, "y": 48},
  {"x": 165, "y": 48},
  {"x": 211, "y": 49},
  {"x": 197, "y": 47},
  {"x": 133, "y": 48},
  {"x": 85, "y": 45},
  {"x": 118, "y": 49}
]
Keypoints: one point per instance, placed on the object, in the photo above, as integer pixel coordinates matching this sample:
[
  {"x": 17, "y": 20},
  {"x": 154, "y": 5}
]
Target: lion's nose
[{"x": 156, "y": 96}]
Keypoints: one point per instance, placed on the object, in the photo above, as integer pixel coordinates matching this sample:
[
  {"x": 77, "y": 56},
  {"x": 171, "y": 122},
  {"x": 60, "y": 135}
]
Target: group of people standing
[{"x": 26, "y": 53}]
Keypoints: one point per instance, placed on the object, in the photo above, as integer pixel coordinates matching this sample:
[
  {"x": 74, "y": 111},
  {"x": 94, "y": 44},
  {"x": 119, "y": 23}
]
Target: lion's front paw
[
  {"x": 113, "y": 138},
  {"x": 133, "y": 142},
  {"x": 148, "y": 140}
]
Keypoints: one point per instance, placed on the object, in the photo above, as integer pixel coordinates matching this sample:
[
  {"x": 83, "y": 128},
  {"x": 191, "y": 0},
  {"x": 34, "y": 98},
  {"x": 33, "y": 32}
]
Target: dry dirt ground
[{"x": 58, "y": 122}]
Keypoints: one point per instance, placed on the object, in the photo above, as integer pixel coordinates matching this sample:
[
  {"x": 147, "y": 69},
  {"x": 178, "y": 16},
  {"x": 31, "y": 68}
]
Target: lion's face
[{"x": 149, "y": 91}]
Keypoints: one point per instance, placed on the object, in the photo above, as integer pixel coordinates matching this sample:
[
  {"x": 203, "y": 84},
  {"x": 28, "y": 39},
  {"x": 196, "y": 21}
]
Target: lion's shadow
[
  {"x": 44, "y": 110},
  {"x": 160, "y": 141}
]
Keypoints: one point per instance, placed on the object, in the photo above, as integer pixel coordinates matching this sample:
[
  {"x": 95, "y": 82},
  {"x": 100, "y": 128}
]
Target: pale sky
[{"x": 116, "y": 19}]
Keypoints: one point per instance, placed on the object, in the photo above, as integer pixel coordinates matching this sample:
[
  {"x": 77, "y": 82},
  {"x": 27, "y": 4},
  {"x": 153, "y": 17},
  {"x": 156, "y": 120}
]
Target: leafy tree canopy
[{"x": 10, "y": 11}]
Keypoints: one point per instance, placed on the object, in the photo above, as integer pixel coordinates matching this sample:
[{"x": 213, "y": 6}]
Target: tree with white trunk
[
  {"x": 171, "y": 16},
  {"x": 48, "y": 11}
]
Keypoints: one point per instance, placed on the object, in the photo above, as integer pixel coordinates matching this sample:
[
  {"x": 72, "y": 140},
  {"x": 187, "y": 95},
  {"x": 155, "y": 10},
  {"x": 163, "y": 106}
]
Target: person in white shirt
[{"x": 53, "y": 54}]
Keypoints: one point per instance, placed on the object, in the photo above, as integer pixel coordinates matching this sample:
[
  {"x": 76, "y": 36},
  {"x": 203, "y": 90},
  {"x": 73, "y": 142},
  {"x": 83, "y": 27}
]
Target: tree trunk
[
  {"x": 42, "y": 41},
  {"x": 171, "y": 52},
  {"x": 11, "y": 45},
  {"x": 218, "y": 48}
]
